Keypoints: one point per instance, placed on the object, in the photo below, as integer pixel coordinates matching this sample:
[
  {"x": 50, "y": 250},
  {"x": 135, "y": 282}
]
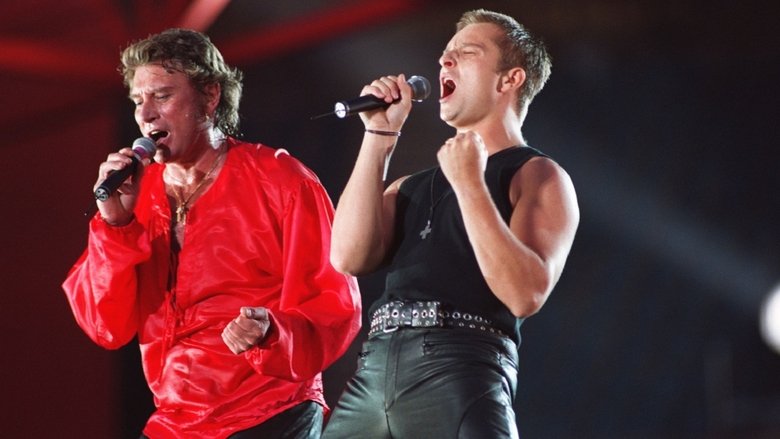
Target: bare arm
[
  {"x": 363, "y": 224},
  {"x": 522, "y": 261}
]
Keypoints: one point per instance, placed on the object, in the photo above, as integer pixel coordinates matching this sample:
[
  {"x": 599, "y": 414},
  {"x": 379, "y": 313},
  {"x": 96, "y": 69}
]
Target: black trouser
[
  {"x": 430, "y": 383},
  {"x": 304, "y": 421}
]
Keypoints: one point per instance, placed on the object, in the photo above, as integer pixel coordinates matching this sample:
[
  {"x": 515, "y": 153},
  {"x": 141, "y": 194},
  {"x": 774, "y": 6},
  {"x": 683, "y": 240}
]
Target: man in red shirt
[{"x": 216, "y": 257}]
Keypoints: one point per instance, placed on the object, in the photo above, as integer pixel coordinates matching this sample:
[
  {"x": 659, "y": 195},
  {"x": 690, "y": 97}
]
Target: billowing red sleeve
[
  {"x": 102, "y": 286},
  {"x": 320, "y": 311}
]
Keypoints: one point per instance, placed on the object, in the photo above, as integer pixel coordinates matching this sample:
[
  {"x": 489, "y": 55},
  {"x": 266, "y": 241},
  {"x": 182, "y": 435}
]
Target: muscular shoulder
[{"x": 538, "y": 175}]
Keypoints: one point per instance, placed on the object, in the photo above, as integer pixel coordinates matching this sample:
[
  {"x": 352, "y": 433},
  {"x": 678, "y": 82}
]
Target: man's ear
[
  {"x": 212, "y": 94},
  {"x": 514, "y": 78}
]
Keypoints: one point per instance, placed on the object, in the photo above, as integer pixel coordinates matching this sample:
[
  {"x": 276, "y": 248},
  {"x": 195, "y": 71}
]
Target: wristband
[{"x": 385, "y": 133}]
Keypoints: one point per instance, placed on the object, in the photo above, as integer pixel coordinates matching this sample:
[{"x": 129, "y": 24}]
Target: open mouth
[
  {"x": 447, "y": 87},
  {"x": 158, "y": 134}
]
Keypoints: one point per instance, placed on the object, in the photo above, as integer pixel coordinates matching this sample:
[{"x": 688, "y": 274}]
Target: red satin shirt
[{"x": 260, "y": 236}]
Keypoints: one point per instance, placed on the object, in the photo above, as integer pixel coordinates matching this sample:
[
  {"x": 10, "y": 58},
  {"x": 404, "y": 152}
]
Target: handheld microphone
[
  {"x": 421, "y": 88},
  {"x": 143, "y": 148}
]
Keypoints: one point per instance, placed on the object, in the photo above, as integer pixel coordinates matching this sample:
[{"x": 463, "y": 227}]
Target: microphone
[
  {"x": 421, "y": 88},
  {"x": 143, "y": 148}
]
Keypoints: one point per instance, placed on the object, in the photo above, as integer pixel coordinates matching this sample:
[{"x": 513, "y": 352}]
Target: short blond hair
[{"x": 519, "y": 48}]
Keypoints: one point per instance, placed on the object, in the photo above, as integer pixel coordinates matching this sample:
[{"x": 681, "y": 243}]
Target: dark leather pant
[{"x": 430, "y": 383}]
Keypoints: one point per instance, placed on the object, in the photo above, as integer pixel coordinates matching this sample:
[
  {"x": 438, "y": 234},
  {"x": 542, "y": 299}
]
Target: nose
[
  {"x": 446, "y": 59},
  {"x": 145, "y": 112}
]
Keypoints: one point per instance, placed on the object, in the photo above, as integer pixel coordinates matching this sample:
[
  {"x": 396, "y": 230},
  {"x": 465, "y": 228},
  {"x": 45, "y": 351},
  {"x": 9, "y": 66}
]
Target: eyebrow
[
  {"x": 165, "y": 88},
  {"x": 466, "y": 45}
]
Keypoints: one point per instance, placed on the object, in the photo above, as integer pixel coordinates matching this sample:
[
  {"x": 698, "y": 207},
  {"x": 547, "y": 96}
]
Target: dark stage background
[{"x": 664, "y": 113}]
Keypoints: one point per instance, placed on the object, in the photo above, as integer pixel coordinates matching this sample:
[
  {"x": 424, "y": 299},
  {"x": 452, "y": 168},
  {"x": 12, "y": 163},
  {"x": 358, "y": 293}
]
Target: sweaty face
[
  {"x": 468, "y": 77},
  {"x": 171, "y": 111}
]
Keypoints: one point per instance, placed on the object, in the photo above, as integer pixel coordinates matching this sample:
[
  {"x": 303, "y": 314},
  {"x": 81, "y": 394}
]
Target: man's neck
[
  {"x": 193, "y": 170},
  {"x": 499, "y": 134}
]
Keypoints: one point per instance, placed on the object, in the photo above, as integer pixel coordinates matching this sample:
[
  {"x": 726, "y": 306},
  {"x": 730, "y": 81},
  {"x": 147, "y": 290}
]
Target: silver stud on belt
[{"x": 426, "y": 314}]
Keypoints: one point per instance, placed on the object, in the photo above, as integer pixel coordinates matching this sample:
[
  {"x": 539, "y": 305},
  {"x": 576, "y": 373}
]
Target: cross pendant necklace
[
  {"x": 181, "y": 213},
  {"x": 428, "y": 229},
  {"x": 182, "y": 207}
]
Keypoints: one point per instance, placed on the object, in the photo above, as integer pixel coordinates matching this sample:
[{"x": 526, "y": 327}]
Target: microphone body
[
  {"x": 143, "y": 148},
  {"x": 421, "y": 88}
]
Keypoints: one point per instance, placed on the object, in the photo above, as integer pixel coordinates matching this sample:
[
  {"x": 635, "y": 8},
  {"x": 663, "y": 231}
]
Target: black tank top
[{"x": 438, "y": 262}]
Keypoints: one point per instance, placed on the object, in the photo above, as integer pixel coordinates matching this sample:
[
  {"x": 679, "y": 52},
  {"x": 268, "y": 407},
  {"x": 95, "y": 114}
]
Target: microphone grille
[
  {"x": 144, "y": 147},
  {"x": 421, "y": 88}
]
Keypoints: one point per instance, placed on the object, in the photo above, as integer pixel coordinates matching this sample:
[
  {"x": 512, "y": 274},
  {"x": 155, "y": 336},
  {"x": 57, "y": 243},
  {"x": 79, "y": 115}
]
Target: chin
[
  {"x": 448, "y": 118},
  {"x": 445, "y": 116},
  {"x": 161, "y": 155}
]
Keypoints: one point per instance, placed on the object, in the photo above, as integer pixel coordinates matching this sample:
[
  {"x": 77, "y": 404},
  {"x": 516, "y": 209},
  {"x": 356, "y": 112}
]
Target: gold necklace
[{"x": 182, "y": 207}]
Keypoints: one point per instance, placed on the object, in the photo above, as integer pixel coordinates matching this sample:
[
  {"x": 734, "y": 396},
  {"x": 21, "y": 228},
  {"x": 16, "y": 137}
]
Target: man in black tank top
[{"x": 472, "y": 246}]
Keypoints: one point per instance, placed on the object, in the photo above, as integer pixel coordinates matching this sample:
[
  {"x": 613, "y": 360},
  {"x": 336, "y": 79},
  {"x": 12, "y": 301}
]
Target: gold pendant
[{"x": 181, "y": 214}]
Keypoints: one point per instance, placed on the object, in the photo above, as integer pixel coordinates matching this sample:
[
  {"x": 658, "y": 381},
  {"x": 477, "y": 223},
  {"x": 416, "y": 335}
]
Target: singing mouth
[
  {"x": 158, "y": 134},
  {"x": 447, "y": 87}
]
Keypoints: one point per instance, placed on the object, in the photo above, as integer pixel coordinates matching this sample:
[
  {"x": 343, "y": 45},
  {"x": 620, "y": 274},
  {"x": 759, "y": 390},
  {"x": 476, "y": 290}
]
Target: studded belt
[{"x": 427, "y": 314}]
